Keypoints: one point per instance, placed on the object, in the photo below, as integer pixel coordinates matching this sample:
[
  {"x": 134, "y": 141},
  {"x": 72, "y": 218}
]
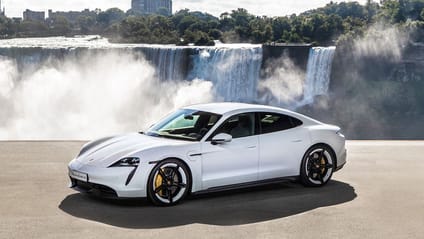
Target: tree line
[{"x": 321, "y": 26}]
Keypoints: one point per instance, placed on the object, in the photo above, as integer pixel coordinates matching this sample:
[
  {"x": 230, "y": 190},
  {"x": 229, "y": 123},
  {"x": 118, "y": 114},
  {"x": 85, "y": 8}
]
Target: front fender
[{"x": 186, "y": 153}]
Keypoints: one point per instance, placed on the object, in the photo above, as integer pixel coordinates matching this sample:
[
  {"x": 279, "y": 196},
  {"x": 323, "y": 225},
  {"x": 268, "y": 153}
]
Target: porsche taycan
[{"x": 210, "y": 147}]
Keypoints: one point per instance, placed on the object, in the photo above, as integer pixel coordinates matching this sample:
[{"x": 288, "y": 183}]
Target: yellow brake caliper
[
  {"x": 322, "y": 164},
  {"x": 158, "y": 183}
]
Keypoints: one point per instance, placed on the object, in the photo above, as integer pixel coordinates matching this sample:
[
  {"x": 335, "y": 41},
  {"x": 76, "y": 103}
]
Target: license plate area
[{"x": 78, "y": 175}]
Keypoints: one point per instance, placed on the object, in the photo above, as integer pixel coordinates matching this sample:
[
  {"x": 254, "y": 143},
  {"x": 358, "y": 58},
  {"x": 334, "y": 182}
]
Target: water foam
[{"x": 97, "y": 95}]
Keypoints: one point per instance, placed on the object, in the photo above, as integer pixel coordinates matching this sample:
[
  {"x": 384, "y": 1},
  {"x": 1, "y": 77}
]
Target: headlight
[{"x": 127, "y": 162}]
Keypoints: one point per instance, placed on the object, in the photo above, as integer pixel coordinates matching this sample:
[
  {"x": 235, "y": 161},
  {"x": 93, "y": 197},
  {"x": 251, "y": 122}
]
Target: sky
[{"x": 14, "y": 8}]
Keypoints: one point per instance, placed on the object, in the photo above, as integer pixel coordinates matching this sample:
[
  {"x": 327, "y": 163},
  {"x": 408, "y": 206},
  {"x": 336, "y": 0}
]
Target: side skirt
[
  {"x": 247, "y": 185},
  {"x": 340, "y": 167}
]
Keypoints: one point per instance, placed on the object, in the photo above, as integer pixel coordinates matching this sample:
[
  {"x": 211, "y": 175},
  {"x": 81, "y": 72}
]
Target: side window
[
  {"x": 238, "y": 126},
  {"x": 273, "y": 122}
]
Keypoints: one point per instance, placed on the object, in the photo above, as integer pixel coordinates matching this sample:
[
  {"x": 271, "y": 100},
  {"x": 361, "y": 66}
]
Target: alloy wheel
[{"x": 169, "y": 183}]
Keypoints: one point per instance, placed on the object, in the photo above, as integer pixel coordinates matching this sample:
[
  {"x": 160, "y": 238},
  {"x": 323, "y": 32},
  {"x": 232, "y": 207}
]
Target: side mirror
[{"x": 221, "y": 138}]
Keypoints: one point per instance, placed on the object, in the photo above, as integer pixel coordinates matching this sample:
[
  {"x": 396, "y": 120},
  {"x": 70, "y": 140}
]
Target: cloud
[
  {"x": 269, "y": 7},
  {"x": 14, "y": 8}
]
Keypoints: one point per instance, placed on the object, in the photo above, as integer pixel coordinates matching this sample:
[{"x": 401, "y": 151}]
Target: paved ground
[{"x": 379, "y": 194}]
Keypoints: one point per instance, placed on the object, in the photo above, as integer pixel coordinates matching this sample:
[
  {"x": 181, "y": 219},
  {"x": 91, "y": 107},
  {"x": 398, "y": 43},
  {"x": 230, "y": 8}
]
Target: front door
[{"x": 232, "y": 162}]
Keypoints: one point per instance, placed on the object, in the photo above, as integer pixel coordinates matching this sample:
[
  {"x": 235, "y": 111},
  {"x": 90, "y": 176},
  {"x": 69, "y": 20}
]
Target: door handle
[
  {"x": 252, "y": 147},
  {"x": 296, "y": 140}
]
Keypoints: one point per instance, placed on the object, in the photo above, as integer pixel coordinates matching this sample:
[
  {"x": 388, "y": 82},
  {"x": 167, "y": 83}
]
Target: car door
[
  {"x": 232, "y": 162},
  {"x": 282, "y": 143}
]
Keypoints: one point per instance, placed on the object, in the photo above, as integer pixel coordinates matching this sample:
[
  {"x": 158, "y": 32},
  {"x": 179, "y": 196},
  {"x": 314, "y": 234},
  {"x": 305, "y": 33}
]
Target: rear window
[{"x": 273, "y": 122}]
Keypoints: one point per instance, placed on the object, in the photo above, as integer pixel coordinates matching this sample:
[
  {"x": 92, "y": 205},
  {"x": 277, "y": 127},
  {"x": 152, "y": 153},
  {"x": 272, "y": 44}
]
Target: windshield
[{"x": 185, "y": 124}]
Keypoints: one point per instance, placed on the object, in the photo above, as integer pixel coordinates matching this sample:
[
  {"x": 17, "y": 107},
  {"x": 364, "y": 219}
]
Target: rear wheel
[
  {"x": 317, "y": 166},
  {"x": 169, "y": 183}
]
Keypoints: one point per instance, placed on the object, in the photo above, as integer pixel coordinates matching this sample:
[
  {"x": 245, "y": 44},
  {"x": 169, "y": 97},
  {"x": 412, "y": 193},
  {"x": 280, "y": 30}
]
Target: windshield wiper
[{"x": 170, "y": 136}]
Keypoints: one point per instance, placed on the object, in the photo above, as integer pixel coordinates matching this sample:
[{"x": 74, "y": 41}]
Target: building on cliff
[
  {"x": 34, "y": 15},
  {"x": 163, "y": 7},
  {"x": 72, "y": 16}
]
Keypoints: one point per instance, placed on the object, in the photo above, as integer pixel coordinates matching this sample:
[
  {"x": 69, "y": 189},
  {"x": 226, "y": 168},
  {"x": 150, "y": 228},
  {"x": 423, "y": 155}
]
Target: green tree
[
  {"x": 198, "y": 38},
  {"x": 241, "y": 23},
  {"x": 163, "y": 11},
  {"x": 86, "y": 24},
  {"x": 30, "y": 29},
  {"x": 371, "y": 10},
  {"x": 7, "y": 27},
  {"x": 280, "y": 26},
  {"x": 226, "y": 23},
  {"x": 110, "y": 16},
  {"x": 336, "y": 22},
  {"x": 392, "y": 10},
  {"x": 185, "y": 23},
  {"x": 132, "y": 12},
  {"x": 260, "y": 30},
  {"x": 215, "y": 33},
  {"x": 162, "y": 30},
  {"x": 134, "y": 29},
  {"x": 60, "y": 26},
  {"x": 343, "y": 9}
]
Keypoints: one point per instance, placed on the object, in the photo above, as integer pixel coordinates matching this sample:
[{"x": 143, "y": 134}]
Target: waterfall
[
  {"x": 130, "y": 85},
  {"x": 234, "y": 72},
  {"x": 318, "y": 73},
  {"x": 233, "y": 69},
  {"x": 170, "y": 62}
]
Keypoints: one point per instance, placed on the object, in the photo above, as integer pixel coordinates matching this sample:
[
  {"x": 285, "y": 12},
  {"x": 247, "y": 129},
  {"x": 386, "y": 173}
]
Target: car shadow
[{"x": 235, "y": 207}]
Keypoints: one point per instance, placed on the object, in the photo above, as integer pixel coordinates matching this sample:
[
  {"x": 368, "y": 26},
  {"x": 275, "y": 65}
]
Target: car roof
[{"x": 229, "y": 107}]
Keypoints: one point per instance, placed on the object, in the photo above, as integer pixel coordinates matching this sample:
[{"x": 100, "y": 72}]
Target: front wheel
[
  {"x": 317, "y": 166},
  {"x": 169, "y": 183}
]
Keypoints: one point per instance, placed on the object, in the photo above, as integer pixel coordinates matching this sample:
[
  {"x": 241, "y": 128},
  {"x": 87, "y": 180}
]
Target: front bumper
[
  {"x": 341, "y": 160},
  {"x": 93, "y": 188},
  {"x": 108, "y": 182}
]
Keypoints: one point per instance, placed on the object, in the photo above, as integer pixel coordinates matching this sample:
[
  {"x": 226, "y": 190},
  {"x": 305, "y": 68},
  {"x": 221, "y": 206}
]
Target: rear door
[{"x": 282, "y": 143}]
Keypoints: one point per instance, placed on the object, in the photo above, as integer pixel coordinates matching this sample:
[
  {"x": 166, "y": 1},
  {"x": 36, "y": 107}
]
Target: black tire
[
  {"x": 317, "y": 166},
  {"x": 168, "y": 183}
]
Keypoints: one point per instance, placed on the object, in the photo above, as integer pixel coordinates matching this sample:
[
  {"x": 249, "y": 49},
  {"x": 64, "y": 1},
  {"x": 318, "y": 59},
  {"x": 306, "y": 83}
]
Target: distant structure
[
  {"x": 17, "y": 19},
  {"x": 72, "y": 16},
  {"x": 137, "y": 5},
  {"x": 152, "y": 6},
  {"x": 34, "y": 15}
]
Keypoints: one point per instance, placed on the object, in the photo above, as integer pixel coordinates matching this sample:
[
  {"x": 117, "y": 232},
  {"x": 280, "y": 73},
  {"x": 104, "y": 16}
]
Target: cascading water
[
  {"x": 130, "y": 85},
  {"x": 170, "y": 62},
  {"x": 234, "y": 72},
  {"x": 318, "y": 73}
]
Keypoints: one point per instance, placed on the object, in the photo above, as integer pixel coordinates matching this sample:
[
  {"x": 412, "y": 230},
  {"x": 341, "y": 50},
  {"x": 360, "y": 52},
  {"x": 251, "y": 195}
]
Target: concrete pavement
[{"x": 379, "y": 194}]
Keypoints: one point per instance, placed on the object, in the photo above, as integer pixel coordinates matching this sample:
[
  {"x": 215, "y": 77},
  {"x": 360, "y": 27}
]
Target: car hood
[{"x": 106, "y": 151}]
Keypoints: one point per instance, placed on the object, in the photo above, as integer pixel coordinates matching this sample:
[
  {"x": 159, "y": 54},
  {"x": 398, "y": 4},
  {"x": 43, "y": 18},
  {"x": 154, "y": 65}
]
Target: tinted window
[
  {"x": 272, "y": 122},
  {"x": 241, "y": 125}
]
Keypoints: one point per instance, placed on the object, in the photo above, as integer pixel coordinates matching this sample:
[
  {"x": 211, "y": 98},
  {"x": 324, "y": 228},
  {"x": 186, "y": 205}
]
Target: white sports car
[{"x": 210, "y": 147}]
